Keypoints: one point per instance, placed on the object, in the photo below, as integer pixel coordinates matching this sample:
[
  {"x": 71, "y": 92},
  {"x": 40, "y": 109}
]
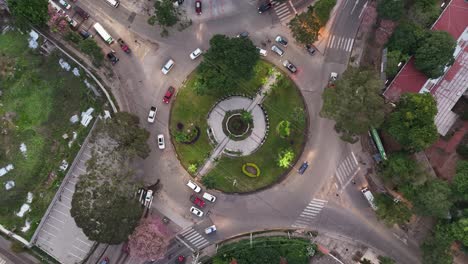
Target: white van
[
  {"x": 369, "y": 197},
  {"x": 113, "y": 3},
  {"x": 168, "y": 66}
]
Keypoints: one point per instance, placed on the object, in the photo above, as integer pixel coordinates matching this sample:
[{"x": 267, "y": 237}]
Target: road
[{"x": 285, "y": 204}]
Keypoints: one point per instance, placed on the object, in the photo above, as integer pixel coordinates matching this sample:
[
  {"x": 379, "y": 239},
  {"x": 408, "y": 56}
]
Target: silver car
[{"x": 277, "y": 50}]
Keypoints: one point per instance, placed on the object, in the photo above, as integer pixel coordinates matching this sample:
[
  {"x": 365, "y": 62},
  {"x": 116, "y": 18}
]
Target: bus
[
  {"x": 113, "y": 3},
  {"x": 103, "y": 33}
]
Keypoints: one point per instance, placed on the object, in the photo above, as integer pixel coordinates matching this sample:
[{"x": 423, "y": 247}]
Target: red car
[
  {"x": 167, "y": 97},
  {"x": 197, "y": 201},
  {"x": 198, "y": 7}
]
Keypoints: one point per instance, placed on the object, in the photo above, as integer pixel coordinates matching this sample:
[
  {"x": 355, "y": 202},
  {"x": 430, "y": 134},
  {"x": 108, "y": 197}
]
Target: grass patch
[
  {"x": 190, "y": 108},
  {"x": 37, "y": 102}
]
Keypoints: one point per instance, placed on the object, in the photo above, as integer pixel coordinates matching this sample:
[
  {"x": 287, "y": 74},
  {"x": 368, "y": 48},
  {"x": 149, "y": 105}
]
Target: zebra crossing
[
  {"x": 2, "y": 261},
  {"x": 191, "y": 236},
  {"x": 281, "y": 10},
  {"x": 309, "y": 213},
  {"x": 347, "y": 170},
  {"x": 340, "y": 43}
]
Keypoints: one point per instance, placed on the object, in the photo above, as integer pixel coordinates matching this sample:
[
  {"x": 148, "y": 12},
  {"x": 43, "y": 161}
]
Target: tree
[
  {"x": 460, "y": 230},
  {"x": 433, "y": 199},
  {"x": 460, "y": 182},
  {"x": 391, "y": 9},
  {"x": 227, "y": 62},
  {"x": 401, "y": 169},
  {"x": 29, "y": 11},
  {"x": 385, "y": 260},
  {"x": 391, "y": 212},
  {"x": 355, "y": 102},
  {"x": 166, "y": 13},
  {"x": 412, "y": 122},
  {"x": 436, "y": 248},
  {"x": 150, "y": 239},
  {"x": 305, "y": 27},
  {"x": 90, "y": 47},
  {"x": 246, "y": 116},
  {"x": 284, "y": 129},
  {"x": 424, "y": 12},
  {"x": 285, "y": 158},
  {"x": 394, "y": 57},
  {"x": 406, "y": 38},
  {"x": 435, "y": 53},
  {"x": 322, "y": 9}
]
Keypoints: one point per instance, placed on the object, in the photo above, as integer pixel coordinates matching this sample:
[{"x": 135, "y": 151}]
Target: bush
[
  {"x": 209, "y": 182},
  {"x": 152, "y": 20},
  {"x": 322, "y": 10},
  {"x": 73, "y": 37},
  {"x": 252, "y": 165},
  {"x": 462, "y": 148},
  {"x": 285, "y": 158},
  {"x": 391, "y": 9},
  {"x": 90, "y": 47},
  {"x": 192, "y": 168},
  {"x": 284, "y": 129}
]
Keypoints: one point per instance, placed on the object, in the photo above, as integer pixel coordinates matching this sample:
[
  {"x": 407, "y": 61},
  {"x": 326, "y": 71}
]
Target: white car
[
  {"x": 277, "y": 50},
  {"x": 65, "y": 4},
  {"x": 262, "y": 51},
  {"x": 195, "y": 54},
  {"x": 168, "y": 66},
  {"x": 210, "y": 229},
  {"x": 193, "y": 186},
  {"x": 152, "y": 114},
  {"x": 209, "y": 197},
  {"x": 196, "y": 211},
  {"x": 161, "y": 144}
]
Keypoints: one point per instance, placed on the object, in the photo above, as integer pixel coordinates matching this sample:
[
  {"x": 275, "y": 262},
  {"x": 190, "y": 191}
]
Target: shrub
[
  {"x": 192, "y": 168},
  {"x": 462, "y": 148},
  {"x": 209, "y": 182},
  {"x": 73, "y": 37},
  {"x": 181, "y": 137},
  {"x": 90, "y": 47},
  {"x": 252, "y": 165},
  {"x": 284, "y": 129},
  {"x": 285, "y": 158}
]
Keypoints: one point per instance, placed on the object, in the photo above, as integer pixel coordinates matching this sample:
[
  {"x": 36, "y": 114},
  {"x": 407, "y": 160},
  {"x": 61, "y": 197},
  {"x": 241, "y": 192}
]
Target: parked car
[
  {"x": 197, "y": 201},
  {"x": 195, "y": 54},
  {"x": 210, "y": 229},
  {"x": 161, "y": 143},
  {"x": 290, "y": 66},
  {"x": 169, "y": 93},
  {"x": 81, "y": 12},
  {"x": 369, "y": 197},
  {"x": 332, "y": 79},
  {"x": 264, "y": 7},
  {"x": 243, "y": 34},
  {"x": 168, "y": 66},
  {"x": 277, "y": 50},
  {"x": 281, "y": 40},
  {"x": 303, "y": 167},
  {"x": 113, "y": 59},
  {"x": 262, "y": 52},
  {"x": 196, "y": 211},
  {"x": 148, "y": 198},
  {"x": 152, "y": 114},
  {"x": 180, "y": 259},
  {"x": 310, "y": 49},
  {"x": 123, "y": 46},
  {"x": 85, "y": 34},
  {"x": 193, "y": 186},
  {"x": 105, "y": 261},
  {"x": 64, "y": 4},
  {"x": 198, "y": 7},
  {"x": 209, "y": 197}
]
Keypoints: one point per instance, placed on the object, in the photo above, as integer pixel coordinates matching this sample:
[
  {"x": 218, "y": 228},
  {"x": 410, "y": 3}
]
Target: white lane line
[
  {"x": 204, "y": 244},
  {"x": 56, "y": 219},
  {"x": 354, "y": 7},
  {"x": 84, "y": 242},
  {"x": 323, "y": 201},
  {"x": 314, "y": 206},
  {"x": 196, "y": 241},
  {"x": 186, "y": 231},
  {"x": 292, "y": 6},
  {"x": 50, "y": 234},
  {"x": 53, "y": 226},
  {"x": 80, "y": 249},
  {"x": 331, "y": 41},
  {"x": 363, "y": 9},
  {"x": 192, "y": 235},
  {"x": 352, "y": 153},
  {"x": 60, "y": 211}
]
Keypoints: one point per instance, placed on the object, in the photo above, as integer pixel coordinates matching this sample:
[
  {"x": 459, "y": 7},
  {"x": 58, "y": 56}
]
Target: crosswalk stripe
[
  {"x": 203, "y": 244},
  {"x": 195, "y": 241},
  {"x": 186, "y": 231},
  {"x": 282, "y": 11},
  {"x": 318, "y": 200},
  {"x": 191, "y": 236},
  {"x": 314, "y": 206}
]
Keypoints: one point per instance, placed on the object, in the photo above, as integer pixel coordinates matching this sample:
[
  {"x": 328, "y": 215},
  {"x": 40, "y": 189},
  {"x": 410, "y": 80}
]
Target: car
[
  {"x": 169, "y": 93},
  {"x": 124, "y": 46},
  {"x": 85, "y": 34},
  {"x": 281, "y": 40},
  {"x": 210, "y": 229},
  {"x": 261, "y": 51},
  {"x": 180, "y": 259},
  {"x": 290, "y": 66},
  {"x": 198, "y": 7},
  {"x": 277, "y": 50},
  {"x": 105, "y": 261},
  {"x": 81, "y": 12},
  {"x": 152, "y": 114},
  {"x": 168, "y": 66},
  {"x": 303, "y": 167},
  {"x": 161, "y": 144},
  {"x": 209, "y": 197},
  {"x": 310, "y": 49},
  {"x": 193, "y": 186},
  {"x": 196, "y": 211},
  {"x": 197, "y": 201},
  {"x": 148, "y": 198},
  {"x": 65, "y": 4},
  {"x": 264, "y": 7},
  {"x": 111, "y": 56},
  {"x": 195, "y": 54},
  {"x": 369, "y": 197},
  {"x": 243, "y": 34}
]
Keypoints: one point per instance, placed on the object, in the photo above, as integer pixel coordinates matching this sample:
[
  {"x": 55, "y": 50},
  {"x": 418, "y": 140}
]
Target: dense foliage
[
  {"x": 460, "y": 182},
  {"x": 435, "y": 53},
  {"x": 29, "y": 12},
  {"x": 433, "y": 199},
  {"x": 166, "y": 13},
  {"x": 401, "y": 169},
  {"x": 391, "y": 9},
  {"x": 436, "y": 248},
  {"x": 406, "y": 38},
  {"x": 391, "y": 212}
]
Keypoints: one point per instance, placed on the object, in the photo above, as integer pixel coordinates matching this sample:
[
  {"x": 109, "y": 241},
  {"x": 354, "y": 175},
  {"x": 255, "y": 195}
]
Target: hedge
[{"x": 244, "y": 170}]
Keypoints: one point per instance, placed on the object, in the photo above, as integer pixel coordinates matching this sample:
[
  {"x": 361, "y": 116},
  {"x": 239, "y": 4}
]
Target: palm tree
[{"x": 246, "y": 116}]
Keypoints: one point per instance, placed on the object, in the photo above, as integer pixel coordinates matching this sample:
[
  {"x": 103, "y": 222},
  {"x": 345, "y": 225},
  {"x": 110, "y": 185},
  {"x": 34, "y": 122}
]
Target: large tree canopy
[
  {"x": 460, "y": 182},
  {"x": 436, "y": 248},
  {"x": 406, "y": 38},
  {"x": 401, "y": 169},
  {"x": 435, "y": 53},
  {"x": 391, "y": 9},
  {"x": 433, "y": 198},
  {"x": 29, "y": 11},
  {"x": 412, "y": 123},
  {"x": 227, "y": 62},
  {"x": 390, "y": 212},
  {"x": 355, "y": 102},
  {"x": 150, "y": 239},
  {"x": 166, "y": 13}
]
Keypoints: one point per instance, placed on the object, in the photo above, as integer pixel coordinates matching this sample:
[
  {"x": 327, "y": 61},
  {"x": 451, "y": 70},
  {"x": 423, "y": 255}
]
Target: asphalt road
[{"x": 143, "y": 85}]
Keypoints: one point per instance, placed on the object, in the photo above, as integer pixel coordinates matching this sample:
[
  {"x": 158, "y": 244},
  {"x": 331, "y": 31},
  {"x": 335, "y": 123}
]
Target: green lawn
[
  {"x": 38, "y": 100},
  {"x": 283, "y": 103},
  {"x": 190, "y": 108}
]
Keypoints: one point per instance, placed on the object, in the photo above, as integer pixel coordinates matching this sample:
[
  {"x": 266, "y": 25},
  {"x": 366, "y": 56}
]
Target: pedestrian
[
  {"x": 337, "y": 195},
  {"x": 354, "y": 182}
]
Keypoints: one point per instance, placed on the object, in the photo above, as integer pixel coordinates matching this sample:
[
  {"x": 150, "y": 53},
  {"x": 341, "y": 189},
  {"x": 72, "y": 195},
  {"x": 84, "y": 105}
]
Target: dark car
[
  {"x": 243, "y": 34},
  {"x": 281, "y": 40},
  {"x": 169, "y": 93},
  {"x": 264, "y": 7},
  {"x": 111, "y": 56},
  {"x": 290, "y": 66},
  {"x": 197, "y": 201},
  {"x": 81, "y": 12},
  {"x": 198, "y": 7},
  {"x": 85, "y": 34},
  {"x": 310, "y": 49},
  {"x": 303, "y": 167}
]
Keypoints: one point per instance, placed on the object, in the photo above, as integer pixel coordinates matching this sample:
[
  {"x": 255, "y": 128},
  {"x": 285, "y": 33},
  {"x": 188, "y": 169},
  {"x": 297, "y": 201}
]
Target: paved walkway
[{"x": 257, "y": 137}]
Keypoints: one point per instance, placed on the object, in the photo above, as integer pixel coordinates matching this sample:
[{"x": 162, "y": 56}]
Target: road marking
[
  {"x": 354, "y": 7},
  {"x": 348, "y": 168},
  {"x": 309, "y": 213},
  {"x": 193, "y": 237}
]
